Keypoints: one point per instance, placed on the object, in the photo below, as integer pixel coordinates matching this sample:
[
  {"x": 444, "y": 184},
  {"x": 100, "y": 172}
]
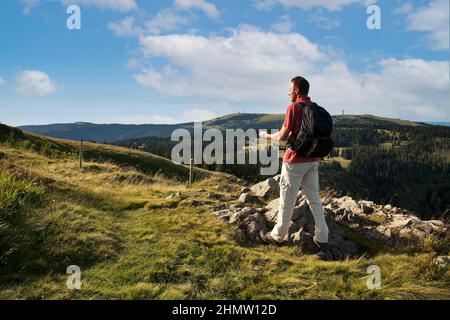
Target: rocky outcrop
[
  {"x": 301, "y": 231},
  {"x": 268, "y": 189},
  {"x": 345, "y": 216},
  {"x": 386, "y": 223}
]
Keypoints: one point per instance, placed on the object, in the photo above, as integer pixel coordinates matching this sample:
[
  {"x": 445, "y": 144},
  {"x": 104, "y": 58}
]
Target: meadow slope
[{"x": 114, "y": 220}]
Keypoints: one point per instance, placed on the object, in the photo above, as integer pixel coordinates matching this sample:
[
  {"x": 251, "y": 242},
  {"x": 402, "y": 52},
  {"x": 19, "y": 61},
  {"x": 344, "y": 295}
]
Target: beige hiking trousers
[{"x": 294, "y": 176}]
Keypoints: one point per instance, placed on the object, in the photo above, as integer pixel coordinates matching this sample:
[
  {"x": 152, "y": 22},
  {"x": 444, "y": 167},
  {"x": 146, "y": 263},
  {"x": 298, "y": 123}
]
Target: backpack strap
[{"x": 302, "y": 104}]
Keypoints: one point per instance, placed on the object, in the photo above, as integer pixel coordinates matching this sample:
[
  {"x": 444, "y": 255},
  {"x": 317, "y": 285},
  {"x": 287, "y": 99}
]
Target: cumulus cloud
[
  {"x": 331, "y": 5},
  {"x": 433, "y": 19},
  {"x": 34, "y": 82},
  {"x": 285, "y": 24},
  {"x": 124, "y": 28},
  {"x": 397, "y": 89},
  {"x": 165, "y": 20},
  {"x": 254, "y": 67},
  {"x": 240, "y": 67},
  {"x": 208, "y": 8},
  {"x": 2, "y": 81}
]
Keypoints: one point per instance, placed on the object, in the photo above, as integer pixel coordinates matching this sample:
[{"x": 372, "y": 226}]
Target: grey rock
[
  {"x": 239, "y": 217},
  {"x": 245, "y": 190},
  {"x": 442, "y": 261},
  {"x": 236, "y": 206},
  {"x": 247, "y": 198},
  {"x": 236, "y": 218},
  {"x": 273, "y": 208},
  {"x": 174, "y": 195},
  {"x": 268, "y": 189},
  {"x": 222, "y": 214},
  {"x": 254, "y": 224}
]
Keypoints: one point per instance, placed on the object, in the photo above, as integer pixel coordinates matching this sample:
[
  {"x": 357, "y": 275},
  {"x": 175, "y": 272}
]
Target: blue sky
[{"x": 142, "y": 61}]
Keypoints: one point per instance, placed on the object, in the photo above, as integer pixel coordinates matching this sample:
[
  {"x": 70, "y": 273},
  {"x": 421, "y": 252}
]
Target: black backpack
[{"x": 314, "y": 139}]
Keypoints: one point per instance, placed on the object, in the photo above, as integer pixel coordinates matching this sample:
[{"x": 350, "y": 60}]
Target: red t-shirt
[{"x": 293, "y": 122}]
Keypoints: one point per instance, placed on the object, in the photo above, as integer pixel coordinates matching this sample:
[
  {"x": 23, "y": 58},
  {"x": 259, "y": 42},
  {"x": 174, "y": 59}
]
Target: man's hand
[
  {"x": 264, "y": 135},
  {"x": 281, "y": 135}
]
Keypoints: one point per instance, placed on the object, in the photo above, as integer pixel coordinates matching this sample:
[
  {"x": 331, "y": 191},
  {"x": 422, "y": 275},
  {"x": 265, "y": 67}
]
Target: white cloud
[
  {"x": 34, "y": 82},
  {"x": 133, "y": 64},
  {"x": 397, "y": 89},
  {"x": 141, "y": 119},
  {"x": 285, "y": 25},
  {"x": 331, "y": 5},
  {"x": 124, "y": 28},
  {"x": 190, "y": 115},
  {"x": 149, "y": 78},
  {"x": 208, "y": 8},
  {"x": 29, "y": 5},
  {"x": 252, "y": 67},
  {"x": 433, "y": 19},
  {"x": 197, "y": 114},
  {"x": 404, "y": 8},
  {"x": 165, "y": 20},
  {"x": 2, "y": 81},
  {"x": 322, "y": 20},
  {"x": 116, "y": 5},
  {"x": 241, "y": 67}
]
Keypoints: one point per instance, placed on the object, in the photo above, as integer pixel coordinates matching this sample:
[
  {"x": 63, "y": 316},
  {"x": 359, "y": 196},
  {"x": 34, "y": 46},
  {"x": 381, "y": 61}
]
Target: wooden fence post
[
  {"x": 191, "y": 172},
  {"x": 81, "y": 153}
]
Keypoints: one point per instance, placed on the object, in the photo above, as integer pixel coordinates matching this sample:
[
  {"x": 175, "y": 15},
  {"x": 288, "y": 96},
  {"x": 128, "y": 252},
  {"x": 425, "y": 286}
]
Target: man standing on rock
[{"x": 297, "y": 172}]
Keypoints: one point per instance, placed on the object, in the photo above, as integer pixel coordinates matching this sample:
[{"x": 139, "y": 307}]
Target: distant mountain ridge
[
  {"x": 445, "y": 124},
  {"x": 116, "y": 132}
]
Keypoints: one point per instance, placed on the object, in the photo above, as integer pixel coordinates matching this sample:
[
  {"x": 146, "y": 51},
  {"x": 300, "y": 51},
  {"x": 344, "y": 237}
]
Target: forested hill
[{"x": 116, "y": 132}]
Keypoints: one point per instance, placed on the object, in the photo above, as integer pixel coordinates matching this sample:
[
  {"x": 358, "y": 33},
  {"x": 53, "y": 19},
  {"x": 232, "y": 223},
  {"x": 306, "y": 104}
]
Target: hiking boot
[
  {"x": 267, "y": 238},
  {"x": 307, "y": 245},
  {"x": 324, "y": 252}
]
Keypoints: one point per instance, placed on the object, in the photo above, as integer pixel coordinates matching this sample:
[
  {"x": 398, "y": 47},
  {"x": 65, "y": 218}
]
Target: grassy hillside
[
  {"x": 113, "y": 219},
  {"x": 65, "y": 149},
  {"x": 374, "y": 120},
  {"x": 116, "y": 132}
]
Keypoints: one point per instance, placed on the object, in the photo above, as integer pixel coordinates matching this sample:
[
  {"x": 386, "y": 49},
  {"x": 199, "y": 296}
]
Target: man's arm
[{"x": 281, "y": 135}]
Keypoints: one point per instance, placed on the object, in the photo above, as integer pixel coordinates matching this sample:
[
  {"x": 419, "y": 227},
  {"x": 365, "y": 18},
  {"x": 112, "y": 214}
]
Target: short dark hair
[{"x": 302, "y": 84}]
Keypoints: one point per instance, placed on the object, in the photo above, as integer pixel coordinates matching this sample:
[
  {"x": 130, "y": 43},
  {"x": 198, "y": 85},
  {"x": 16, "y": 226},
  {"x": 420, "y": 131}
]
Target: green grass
[
  {"x": 16, "y": 194},
  {"x": 113, "y": 220}
]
